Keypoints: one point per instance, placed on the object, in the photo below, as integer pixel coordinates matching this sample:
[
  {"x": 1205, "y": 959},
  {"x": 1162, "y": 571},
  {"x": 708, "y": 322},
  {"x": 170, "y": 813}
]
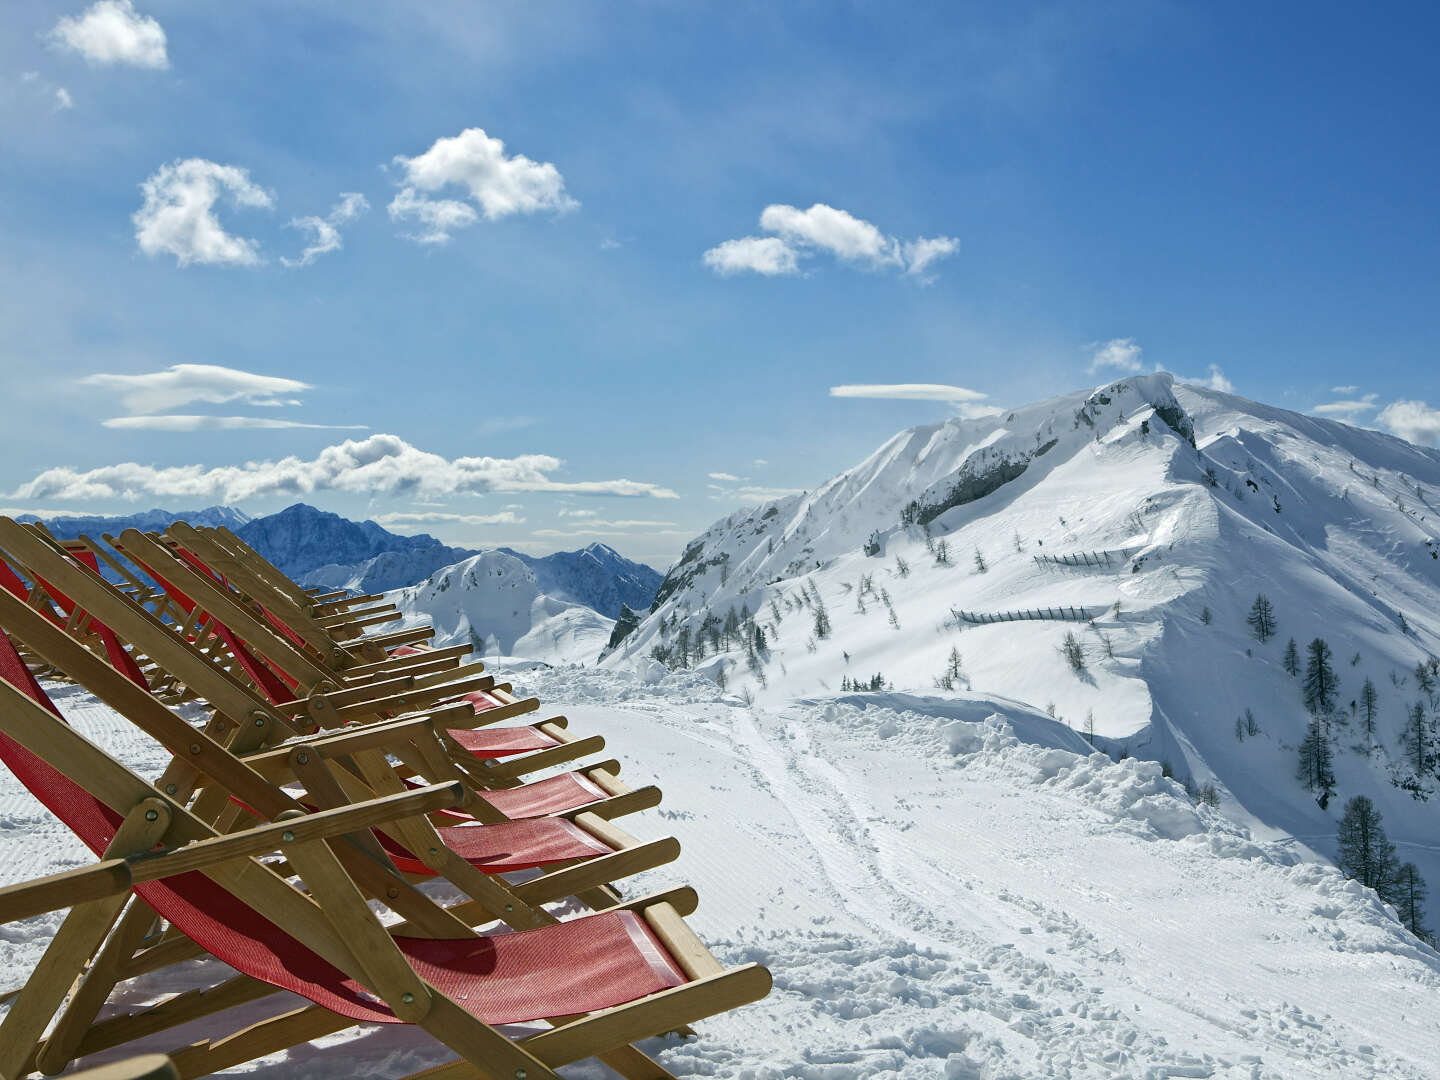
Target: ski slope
[{"x": 943, "y": 887}]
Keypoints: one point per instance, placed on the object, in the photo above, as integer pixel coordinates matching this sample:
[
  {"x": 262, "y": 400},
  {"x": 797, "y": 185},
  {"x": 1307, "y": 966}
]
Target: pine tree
[
  {"x": 1365, "y": 852},
  {"x": 1292, "y": 659},
  {"x": 1369, "y": 705},
  {"x": 1321, "y": 683},
  {"x": 980, "y": 566},
  {"x": 1424, "y": 679},
  {"x": 1205, "y": 616},
  {"x": 902, "y": 567},
  {"x": 1408, "y": 893},
  {"x": 822, "y": 619},
  {"x": 1262, "y": 618},
  {"x": 1073, "y": 652},
  {"x": 953, "y": 665},
  {"x": 1418, "y": 740},
  {"x": 759, "y": 638},
  {"x": 1316, "y": 765},
  {"x": 942, "y": 553}
]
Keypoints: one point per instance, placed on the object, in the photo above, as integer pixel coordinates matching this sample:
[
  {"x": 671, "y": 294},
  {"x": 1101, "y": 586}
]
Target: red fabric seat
[
  {"x": 405, "y": 650},
  {"x": 495, "y": 742},
  {"x": 589, "y": 963},
  {"x": 509, "y": 845},
  {"x": 553, "y": 795}
]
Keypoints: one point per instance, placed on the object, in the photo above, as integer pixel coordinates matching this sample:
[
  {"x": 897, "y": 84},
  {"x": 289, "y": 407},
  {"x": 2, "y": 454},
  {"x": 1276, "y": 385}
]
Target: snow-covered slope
[
  {"x": 95, "y": 525},
  {"x": 493, "y": 601},
  {"x": 1151, "y": 513},
  {"x": 597, "y": 576},
  {"x": 941, "y": 888}
]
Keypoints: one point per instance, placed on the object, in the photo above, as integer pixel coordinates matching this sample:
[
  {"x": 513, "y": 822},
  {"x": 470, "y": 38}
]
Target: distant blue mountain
[
  {"x": 319, "y": 548},
  {"x": 597, "y": 576},
  {"x": 96, "y": 525}
]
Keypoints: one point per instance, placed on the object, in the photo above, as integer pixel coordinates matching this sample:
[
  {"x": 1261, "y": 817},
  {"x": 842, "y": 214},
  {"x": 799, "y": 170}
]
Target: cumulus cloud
[
  {"x": 1347, "y": 409},
  {"x": 113, "y": 32},
  {"x": 325, "y": 232},
  {"x": 823, "y": 229},
  {"x": 182, "y": 422},
  {"x": 1120, "y": 353},
  {"x": 503, "y": 517},
  {"x": 178, "y": 214},
  {"x": 767, "y": 255},
  {"x": 376, "y": 465},
  {"x": 63, "y": 100},
  {"x": 1414, "y": 421},
  {"x": 476, "y": 163},
  {"x": 182, "y": 384}
]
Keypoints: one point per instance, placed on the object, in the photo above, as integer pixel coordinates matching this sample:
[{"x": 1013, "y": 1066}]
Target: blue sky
[{"x": 509, "y": 209}]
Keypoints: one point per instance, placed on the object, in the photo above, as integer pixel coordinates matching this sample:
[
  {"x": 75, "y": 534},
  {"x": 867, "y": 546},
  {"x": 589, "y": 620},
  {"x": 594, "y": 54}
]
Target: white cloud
[
  {"x": 908, "y": 392},
  {"x": 180, "y": 422},
  {"x": 63, "y": 100},
  {"x": 567, "y": 512},
  {"x": 760, "y": 461},
  {"x": 504, "y": 517},
  {"x": 750, "y": 493},
  {"x": 588, "y": 531},
  {"x": 475, "y": 161},
  {"x": 767, "y": 255},
  {"x": 182, "y": 384},
  {"x": 920, "y": 253},
  {"x": 1347, "y": 410},
  {"x": 1411, "y": 420},
  {"x": 724, "y": 476},
  {"x": 1343, "y": 389},
  {"x": 966, "y": 403},
  {"x": 823, "y": 229},
  {"x": 376, "y": 465},
  {"x": 326, "y": 231},
  {"x": 843, "y": 235},
  {"x": 113, "y": 32},
  {"x": 1215, "y": 380},
  {"x": 178, "y": 215},
  {"x": 1121, "y": 353}
]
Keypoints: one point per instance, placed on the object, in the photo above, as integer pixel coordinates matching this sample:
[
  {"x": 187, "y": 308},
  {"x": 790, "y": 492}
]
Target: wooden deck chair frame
[
  {"x": 334, "y": 922},
  {"x": 324, "y": 704},
  {"x": 350, "y": 764}
]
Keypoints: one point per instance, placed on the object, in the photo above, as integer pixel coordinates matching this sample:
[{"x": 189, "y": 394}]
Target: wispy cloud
[
  {"x": 1119, "y": 353},
  {"x": 1347, "y": 409},
  {"x": 325, "y": 232},
  {"x": 183, "y": 384},
  {"x": 1415, "y": 421},
  {"x": 476, "y": 163},
  {"x": 377, "y": 465},
  {"x": 599, "y": 530},
  {"x": 113, "y": 32},
  {"x": 801, "y": 234},
  {"x": 1215, "y": 380},
  {"x": 503, "y": 517},
  {"x": 1344, "y": 389},
  {"x": 750, "y": 493},
  {"x": 967, "y": 403},
  {"x": 181, "y": 422},
  {"x": 724, "y": 476},
  {"x": 178, "y": 214}
]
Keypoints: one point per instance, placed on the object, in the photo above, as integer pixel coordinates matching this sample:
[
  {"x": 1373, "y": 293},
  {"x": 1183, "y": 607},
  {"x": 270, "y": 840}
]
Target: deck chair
[
  {"x": 627, "y": 972},
  {"x": 581, "y": 849},
  {"x": 47, "y": 563},
  {"x": 144, "y": 1067}
]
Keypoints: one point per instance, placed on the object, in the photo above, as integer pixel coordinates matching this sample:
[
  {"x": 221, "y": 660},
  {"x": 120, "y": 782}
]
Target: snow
[
  {"x": 493, "y": 601},
  {"x": 1350, "y": 556},
  {"x": 965, "y": 882},
  {"x": 942, "y": 887}
]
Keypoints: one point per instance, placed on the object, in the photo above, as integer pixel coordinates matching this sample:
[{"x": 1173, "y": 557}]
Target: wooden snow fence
[
  {"x": 1094, "y": 560},
  {"x": 1054, "y": 614}
]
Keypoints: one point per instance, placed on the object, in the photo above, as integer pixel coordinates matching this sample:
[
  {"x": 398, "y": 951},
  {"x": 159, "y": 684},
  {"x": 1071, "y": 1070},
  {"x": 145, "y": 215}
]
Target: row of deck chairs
[{"x": 327, "y": 772}]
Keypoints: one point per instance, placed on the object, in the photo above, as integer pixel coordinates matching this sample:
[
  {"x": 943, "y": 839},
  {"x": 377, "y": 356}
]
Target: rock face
[{"x": 301, "y": 539}]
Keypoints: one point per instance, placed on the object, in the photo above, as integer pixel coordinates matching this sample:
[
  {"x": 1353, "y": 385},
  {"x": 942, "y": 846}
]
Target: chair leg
[
  {"x": 77, "y": 940},
  {"x": 58, "y": 1050}
]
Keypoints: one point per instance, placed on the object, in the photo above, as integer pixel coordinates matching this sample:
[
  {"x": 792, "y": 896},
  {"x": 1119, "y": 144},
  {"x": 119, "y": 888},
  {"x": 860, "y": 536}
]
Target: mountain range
[{"x": 1098, "y": 555}]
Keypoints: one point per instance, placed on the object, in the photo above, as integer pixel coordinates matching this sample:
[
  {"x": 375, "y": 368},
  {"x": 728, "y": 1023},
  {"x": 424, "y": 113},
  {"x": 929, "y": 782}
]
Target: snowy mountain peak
[{"x": 1097, "y": 555}]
